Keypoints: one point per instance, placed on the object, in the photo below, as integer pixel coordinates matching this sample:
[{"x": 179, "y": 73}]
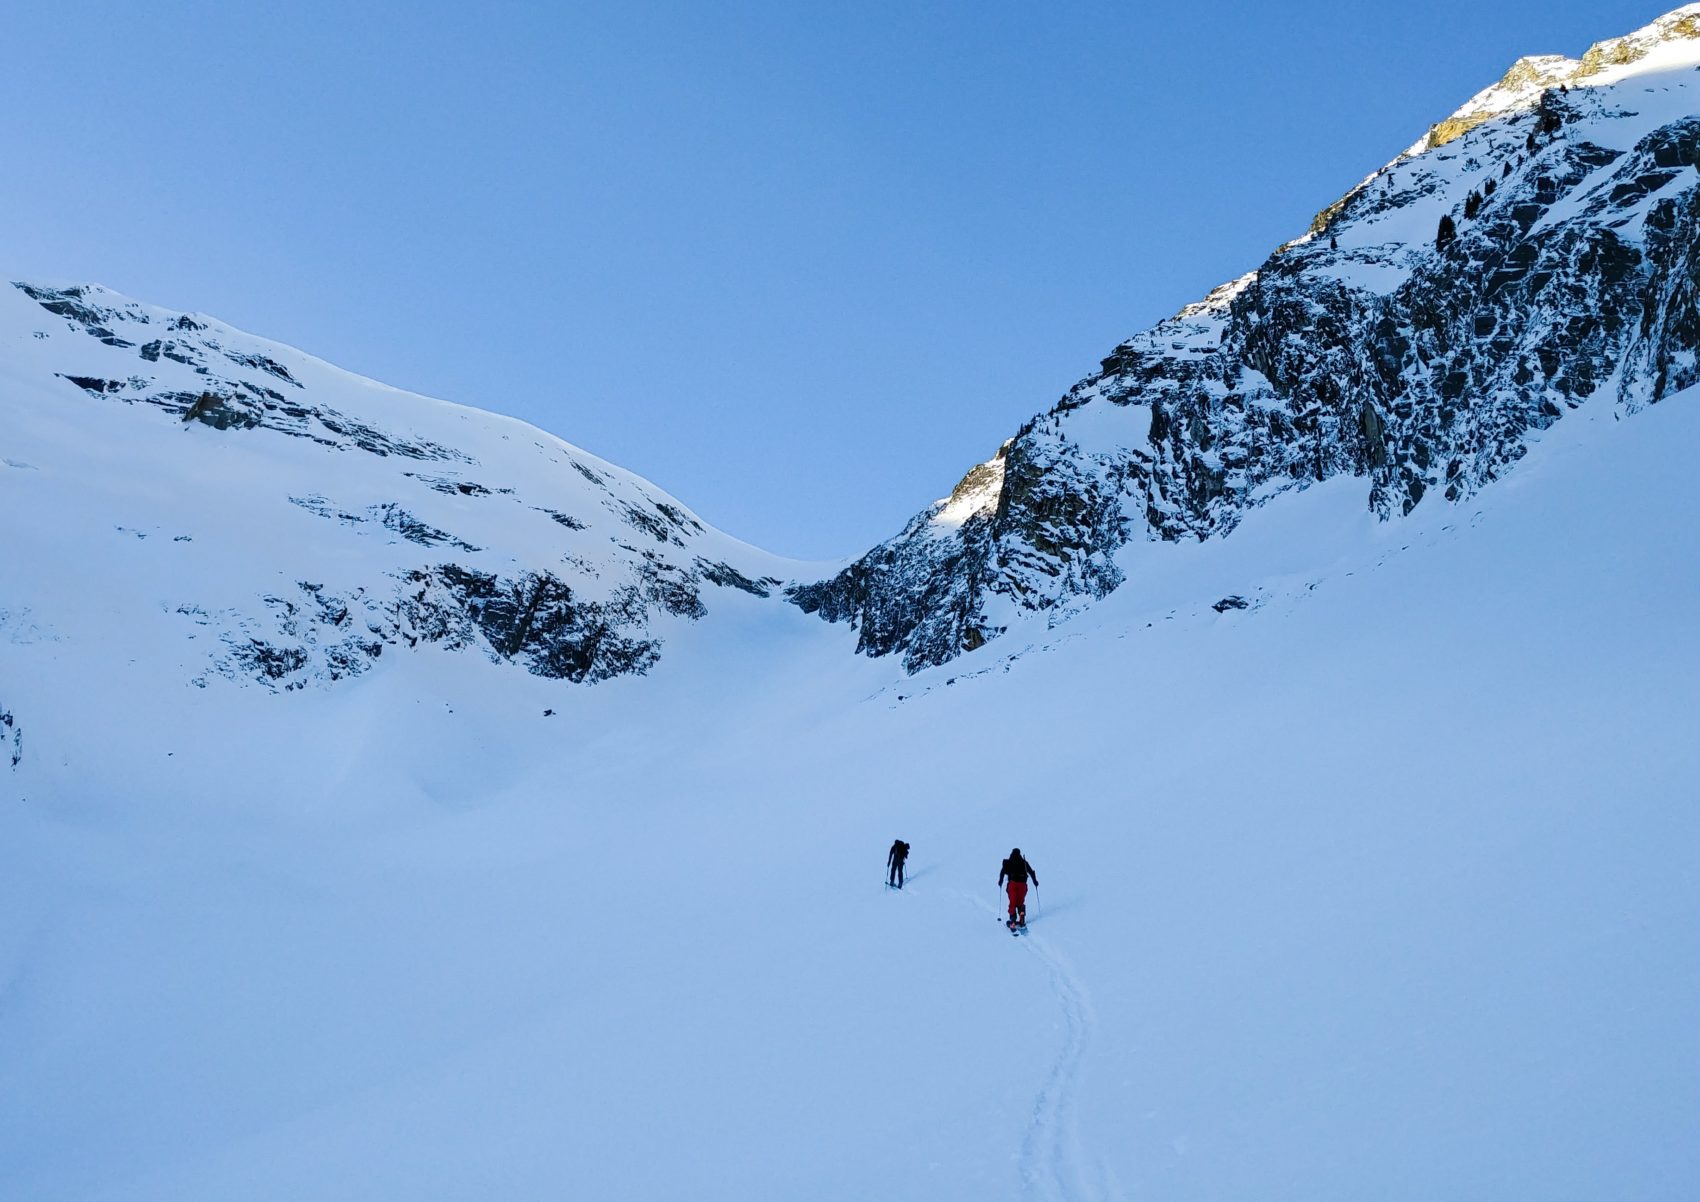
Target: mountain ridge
[
  {"x": 1433, "y": 320},
  {"x": 1527, "y": 258},
  {"x": 389, "y": 519}
]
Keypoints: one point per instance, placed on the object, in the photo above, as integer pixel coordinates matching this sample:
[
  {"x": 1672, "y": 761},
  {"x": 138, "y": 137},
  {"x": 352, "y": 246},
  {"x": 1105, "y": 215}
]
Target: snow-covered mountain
[
  {"x": 1537, "y": 251},
  {"x": 1383, "y": 889},
  {"x": 1534, "y": 252},
  {"x": 1366, "y": 834},
  {"x": 280, "y": 520}
]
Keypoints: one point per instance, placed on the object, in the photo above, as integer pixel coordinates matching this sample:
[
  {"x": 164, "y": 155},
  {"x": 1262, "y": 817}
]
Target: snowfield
[
  {"x": 399, "y": 804},
  {"x": 1382, "y": 886}
]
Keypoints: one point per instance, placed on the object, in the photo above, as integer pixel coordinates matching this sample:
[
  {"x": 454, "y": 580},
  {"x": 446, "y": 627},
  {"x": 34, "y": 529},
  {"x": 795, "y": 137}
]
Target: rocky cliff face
[
  {"x": 1535, "y": 252},
  {"x": 294, "y": 521}
]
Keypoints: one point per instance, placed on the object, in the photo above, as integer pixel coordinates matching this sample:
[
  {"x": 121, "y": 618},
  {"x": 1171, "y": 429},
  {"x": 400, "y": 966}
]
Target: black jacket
[
  {"x": 899, "y": 852},
  {"x": 1016, "y": 868}
]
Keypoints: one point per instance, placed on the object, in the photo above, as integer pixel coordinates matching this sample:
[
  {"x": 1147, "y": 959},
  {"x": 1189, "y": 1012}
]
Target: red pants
[{"x": 1017, "y": 900}]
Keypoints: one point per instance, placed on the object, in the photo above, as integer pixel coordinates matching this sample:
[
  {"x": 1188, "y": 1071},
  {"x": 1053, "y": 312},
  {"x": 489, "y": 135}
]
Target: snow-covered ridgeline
[
  {"x": 266, "y": 515},
  {"x": 1535, "y": 255}
]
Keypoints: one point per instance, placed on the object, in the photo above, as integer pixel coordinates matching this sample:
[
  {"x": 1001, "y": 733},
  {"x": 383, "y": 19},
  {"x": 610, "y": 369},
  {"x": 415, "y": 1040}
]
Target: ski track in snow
[{"x": 1053, "y": 1163}]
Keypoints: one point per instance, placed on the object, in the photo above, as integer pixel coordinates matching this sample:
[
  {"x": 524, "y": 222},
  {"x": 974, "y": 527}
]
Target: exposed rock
[
  {"x": 314, "y": 503},
  {"x": 222, "y": 413},
  {"x": 1417, "y": 369},
  {"x": 94, "y": 385},
  {"x": 69, "y": 303},
  {"x": 536, "y": 621},
  {"x": 726, "y": 576},
  {"x": 570, "y": 522},
  {"x": 662, "y": 522},
  {"x": 277, "y": 664},
  {"x": 11, "y": 738},
  {"x": 449, "y": 486},
  {"x": 393, "y": 517},
  {"x": 389, "y": 515},
  {"x": 264, "y": 363}
]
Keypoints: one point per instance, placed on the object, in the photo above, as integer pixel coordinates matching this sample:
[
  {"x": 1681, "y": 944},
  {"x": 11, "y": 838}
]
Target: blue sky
[{"x": 801, "y": 265}]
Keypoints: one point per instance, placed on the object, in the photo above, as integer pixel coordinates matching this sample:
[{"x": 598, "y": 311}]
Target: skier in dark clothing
[
  {"x": 1017, "y": 871},
  {"x": 894, "y": 863}
]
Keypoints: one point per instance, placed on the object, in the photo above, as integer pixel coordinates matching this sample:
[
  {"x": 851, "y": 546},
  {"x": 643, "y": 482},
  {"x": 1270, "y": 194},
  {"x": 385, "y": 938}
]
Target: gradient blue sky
[{"x": 801, "y": 265}]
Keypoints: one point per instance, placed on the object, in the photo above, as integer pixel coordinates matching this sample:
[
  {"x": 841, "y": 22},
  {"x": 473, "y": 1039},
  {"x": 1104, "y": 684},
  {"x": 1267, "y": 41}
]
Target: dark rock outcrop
[
  {"x": 536, "y": 621},
  {"x": 1421, "y": 370},
  {"x": 11, "y": 739}
]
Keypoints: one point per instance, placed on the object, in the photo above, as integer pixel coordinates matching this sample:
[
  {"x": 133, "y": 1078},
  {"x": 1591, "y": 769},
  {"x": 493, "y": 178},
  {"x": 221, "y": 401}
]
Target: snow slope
[
  {"x": 242, "y": 510},
  {"x": 1381, "y": 886}
]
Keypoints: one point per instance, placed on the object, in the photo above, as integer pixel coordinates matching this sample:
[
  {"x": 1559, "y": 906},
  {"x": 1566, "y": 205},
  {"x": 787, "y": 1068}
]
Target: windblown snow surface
[{"x": 1382, "y": 886}]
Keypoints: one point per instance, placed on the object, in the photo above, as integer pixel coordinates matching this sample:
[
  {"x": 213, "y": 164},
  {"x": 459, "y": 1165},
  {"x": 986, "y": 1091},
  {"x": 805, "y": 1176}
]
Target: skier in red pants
[{"x": 1018, "y": 872}]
